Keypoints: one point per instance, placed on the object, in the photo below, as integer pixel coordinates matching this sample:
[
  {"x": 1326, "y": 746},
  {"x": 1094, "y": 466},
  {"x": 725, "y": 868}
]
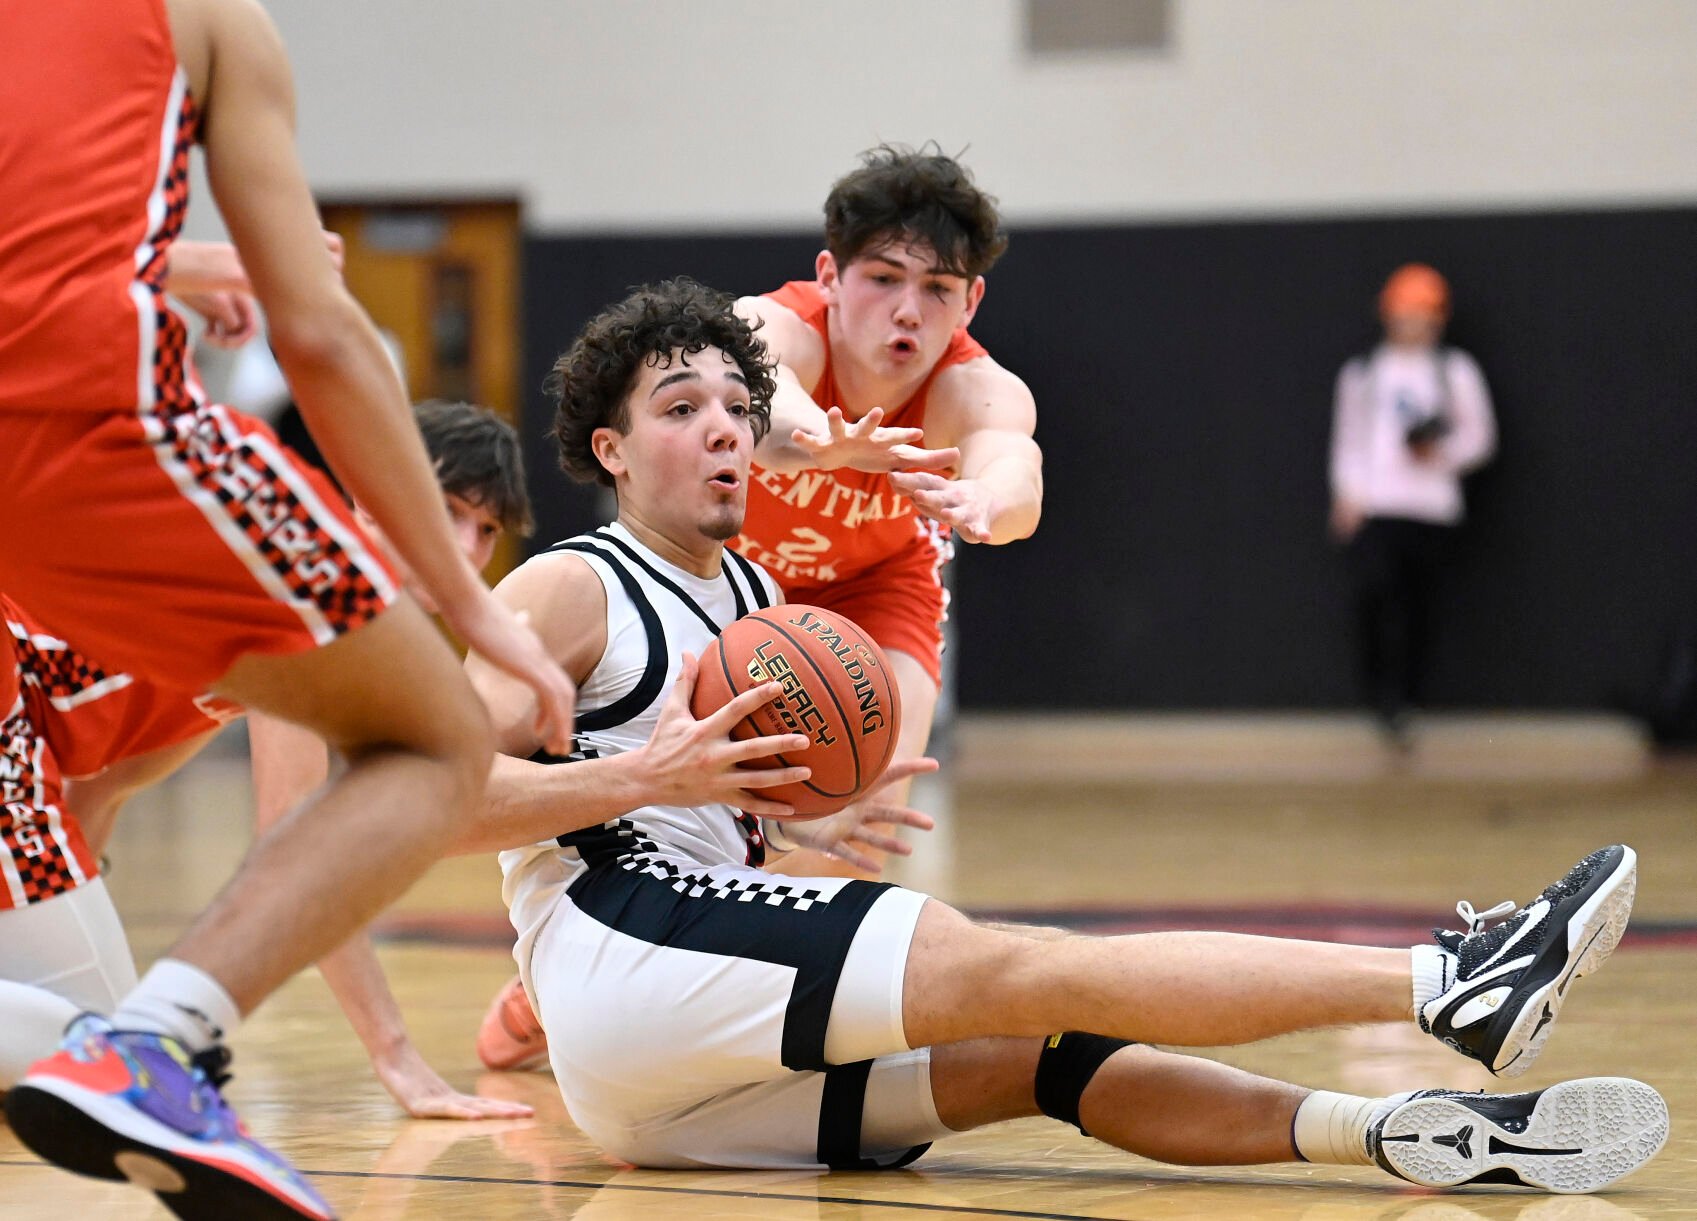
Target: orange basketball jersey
[
  {"x": 822, "y": 527},
  {"x": 94, "y": 142}
]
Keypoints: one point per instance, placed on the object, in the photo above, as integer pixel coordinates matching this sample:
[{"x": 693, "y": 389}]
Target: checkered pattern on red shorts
[
  {"x": 260, "y": 499},
  {"x": 36, "y": 837},
  {"x": 57, "y": 670}
]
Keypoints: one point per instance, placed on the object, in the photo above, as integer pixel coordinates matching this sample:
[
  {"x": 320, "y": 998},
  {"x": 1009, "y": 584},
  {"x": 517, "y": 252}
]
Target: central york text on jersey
[{"x": 806, "y": 554}]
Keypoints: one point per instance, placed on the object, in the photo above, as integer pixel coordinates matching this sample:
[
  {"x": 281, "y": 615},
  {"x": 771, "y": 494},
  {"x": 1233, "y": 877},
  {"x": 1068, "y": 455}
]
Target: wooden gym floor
[{"x": 1292, "y": 826}]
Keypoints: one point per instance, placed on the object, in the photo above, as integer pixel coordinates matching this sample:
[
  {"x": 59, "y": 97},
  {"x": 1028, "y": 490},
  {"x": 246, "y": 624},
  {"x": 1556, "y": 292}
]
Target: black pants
[{"x": 1394, "y": 567}]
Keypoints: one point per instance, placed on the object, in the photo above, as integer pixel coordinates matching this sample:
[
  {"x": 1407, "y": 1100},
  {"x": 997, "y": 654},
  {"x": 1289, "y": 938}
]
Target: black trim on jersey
[
  {"x": 815, "y": 942},
  {"x": 661, "y": 579},
  {"x": 637, "y": 700},
  {"x": 841, "y": 1108},
  {"x": 742, "y": 602},
  {"x": 610, "y": 841},
  {"x": 755, "y": 584}
]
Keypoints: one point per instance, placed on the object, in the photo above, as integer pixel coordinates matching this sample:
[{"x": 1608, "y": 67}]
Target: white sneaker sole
[
  {"x": 1593, "y": 932},
  {"x": 1582, "y": 1135}
]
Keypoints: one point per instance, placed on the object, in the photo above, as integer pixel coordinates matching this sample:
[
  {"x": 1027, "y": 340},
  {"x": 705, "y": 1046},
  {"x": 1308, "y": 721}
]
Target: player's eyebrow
[
  {"x": 672, "y": 379},
  {"x": 936, "y": 269}
]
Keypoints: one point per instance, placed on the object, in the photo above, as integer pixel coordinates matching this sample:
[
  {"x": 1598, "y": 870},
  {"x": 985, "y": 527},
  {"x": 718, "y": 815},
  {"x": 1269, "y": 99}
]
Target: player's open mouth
[
  {"x": 727, "y": 480},
  {"x": 904, "y": 347}
]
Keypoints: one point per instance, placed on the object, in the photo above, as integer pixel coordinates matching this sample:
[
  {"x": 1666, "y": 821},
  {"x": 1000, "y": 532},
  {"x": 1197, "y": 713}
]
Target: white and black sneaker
[
  {"x": 1573, "y": 1137},
  {"x": 1504, "y": 985}
]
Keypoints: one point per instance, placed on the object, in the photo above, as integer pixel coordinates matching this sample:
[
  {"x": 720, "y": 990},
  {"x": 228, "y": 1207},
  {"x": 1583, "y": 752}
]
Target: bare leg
[
  {"x": 965, "y": 981},
  {"x": 394, "y": 699},
  {"x": 97, "y": 800},
  {"x": 919, "y": 706},
  {"x": 1172, "y": 1108}
]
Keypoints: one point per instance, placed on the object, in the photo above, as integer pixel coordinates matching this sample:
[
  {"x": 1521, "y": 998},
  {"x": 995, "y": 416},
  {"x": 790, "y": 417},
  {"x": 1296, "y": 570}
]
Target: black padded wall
[{"x": 1184, "y": 375}]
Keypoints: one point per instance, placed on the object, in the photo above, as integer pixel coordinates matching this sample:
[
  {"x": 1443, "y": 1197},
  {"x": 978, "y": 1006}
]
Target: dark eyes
[{"x": 688, "y": 408}]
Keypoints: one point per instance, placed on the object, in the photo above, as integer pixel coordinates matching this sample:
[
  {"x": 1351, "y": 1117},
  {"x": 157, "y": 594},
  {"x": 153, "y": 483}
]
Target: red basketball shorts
[
  {"x": 171, "y": 543},
  {"x": 900, "y": 603},
  {"x": 68, "y": 717}
]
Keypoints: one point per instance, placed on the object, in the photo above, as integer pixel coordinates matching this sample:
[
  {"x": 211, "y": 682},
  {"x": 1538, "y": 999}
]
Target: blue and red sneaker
[{"x": 120, "y": 1104}]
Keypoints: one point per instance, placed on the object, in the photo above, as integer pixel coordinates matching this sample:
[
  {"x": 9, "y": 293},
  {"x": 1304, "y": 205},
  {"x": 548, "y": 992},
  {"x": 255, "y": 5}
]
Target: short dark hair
[
  {"x": 590, "y": 383},
  {"x": 477, "y": 456},
  {"x": 902, "y": 194}
]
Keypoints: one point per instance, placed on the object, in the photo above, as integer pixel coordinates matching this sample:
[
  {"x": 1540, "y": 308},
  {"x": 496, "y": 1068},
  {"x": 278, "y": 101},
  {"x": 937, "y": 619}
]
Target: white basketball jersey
[{"x": 655, "y": 612}]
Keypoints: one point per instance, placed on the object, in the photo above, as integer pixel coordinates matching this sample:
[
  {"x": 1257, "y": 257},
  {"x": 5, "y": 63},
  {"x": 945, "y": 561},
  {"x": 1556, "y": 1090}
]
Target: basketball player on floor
[
  {"x": 175, "y": 541},
  {"x": 873, "y": 356},
  {"x": 701, "y": 1012},
  {"x": 62, "y": 950}
]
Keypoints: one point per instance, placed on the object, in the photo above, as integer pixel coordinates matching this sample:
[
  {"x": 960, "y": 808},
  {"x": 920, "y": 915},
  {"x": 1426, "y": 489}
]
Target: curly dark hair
[
  {"x": 906, "y": 194},
  {"x": 476, "y": 455},
  {"x": 590, "y": 383}
]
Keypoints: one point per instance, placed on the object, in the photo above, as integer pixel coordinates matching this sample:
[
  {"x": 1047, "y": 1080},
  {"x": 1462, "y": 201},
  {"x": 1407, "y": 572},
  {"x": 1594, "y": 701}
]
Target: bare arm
[
  {"x": 687, "y": 761},
  {"x": 989, "y": 415},
  {"x": 341, "y": 377},
  {"x": 805, "y": 436},
  {"x": 288, "y": 764}
]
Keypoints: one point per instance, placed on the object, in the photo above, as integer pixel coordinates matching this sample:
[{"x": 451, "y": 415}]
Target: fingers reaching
[
  {"x": 903, "y": 769},
  {"x": 746, "y": 704}
]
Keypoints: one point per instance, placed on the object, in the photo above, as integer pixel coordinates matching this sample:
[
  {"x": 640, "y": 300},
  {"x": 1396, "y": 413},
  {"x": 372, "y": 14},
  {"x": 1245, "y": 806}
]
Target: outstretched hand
[
  {"x": 845, "y": 834},
  {"x": 963, "y": 505},
  {"x": 689, "y": 762},
  {"x": 864, "y": 446}
]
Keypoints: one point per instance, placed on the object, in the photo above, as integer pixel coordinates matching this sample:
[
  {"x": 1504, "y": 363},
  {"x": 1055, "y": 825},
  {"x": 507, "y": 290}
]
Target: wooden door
[{"x": 443, "y": 279}]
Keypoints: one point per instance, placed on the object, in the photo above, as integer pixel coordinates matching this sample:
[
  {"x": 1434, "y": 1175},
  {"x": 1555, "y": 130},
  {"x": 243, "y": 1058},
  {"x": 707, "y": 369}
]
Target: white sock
[
  {"x": 1331, "y": 1129},
  {"x": 182, "y": 1001},
  {"x": 1434, "y": 971}
]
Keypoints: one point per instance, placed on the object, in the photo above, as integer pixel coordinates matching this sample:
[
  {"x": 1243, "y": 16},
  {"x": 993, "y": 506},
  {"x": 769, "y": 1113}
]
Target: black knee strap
[{"x": 1065, "y": 1066}]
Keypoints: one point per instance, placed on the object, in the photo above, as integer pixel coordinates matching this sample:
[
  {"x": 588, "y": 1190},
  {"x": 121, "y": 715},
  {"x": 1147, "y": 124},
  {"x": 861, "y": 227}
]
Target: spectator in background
[{"x": 1410, "y": 419}]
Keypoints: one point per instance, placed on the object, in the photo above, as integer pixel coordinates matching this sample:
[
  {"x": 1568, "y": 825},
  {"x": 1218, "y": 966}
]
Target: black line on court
[{"x": 789, "y": 1197}]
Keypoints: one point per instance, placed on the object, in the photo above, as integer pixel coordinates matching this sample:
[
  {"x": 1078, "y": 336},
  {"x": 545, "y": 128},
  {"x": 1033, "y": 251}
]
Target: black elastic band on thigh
[
  {"x": 841, "y": 1108},
  {"x": 1064, "y": 1068}
]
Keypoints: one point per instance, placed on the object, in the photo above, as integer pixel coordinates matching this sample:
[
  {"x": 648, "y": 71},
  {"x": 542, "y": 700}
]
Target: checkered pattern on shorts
[
  {"x": 258, "y": 497},
  {"x": 37, "y": 839},
  {"x": 58, "y": 671}
]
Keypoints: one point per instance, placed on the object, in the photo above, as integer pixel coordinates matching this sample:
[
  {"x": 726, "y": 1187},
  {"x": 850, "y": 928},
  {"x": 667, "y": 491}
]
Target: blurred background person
[{"x": 1410, "y": 418}]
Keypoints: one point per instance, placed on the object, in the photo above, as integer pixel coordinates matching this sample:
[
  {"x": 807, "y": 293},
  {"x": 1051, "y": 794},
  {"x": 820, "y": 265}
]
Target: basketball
[{"x": 838, "y": 690}]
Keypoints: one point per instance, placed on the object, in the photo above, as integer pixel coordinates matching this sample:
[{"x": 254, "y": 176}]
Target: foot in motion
[
  {"x": 511, "y": 1037},
  {"x": 118, "y": 1104},
  {"x": 1504, "y": 985},
  {"x": 1574, "y": 1137}
]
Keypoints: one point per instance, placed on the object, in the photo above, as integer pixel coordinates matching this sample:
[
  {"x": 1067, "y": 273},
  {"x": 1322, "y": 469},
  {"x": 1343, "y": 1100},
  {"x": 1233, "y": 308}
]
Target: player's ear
[
  {"x": 974, "y": 295},
  {"x": 826, "y": 271},
  {"x": 606, "y": 444}
]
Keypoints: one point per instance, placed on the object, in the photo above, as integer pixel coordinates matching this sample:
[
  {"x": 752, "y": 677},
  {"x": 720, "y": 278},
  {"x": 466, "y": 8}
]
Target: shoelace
[
  {"x": 1475, "y": 921},
  {"x": 214, "y": 1064}
]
